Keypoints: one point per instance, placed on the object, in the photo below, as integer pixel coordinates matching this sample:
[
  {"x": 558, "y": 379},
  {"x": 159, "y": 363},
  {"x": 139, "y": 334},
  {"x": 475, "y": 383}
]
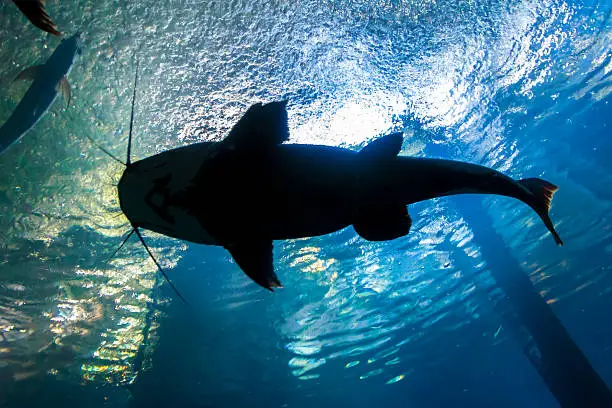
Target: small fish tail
[
  {"x": 543, "y": 192},
  {"x": 35, "y": 11}
]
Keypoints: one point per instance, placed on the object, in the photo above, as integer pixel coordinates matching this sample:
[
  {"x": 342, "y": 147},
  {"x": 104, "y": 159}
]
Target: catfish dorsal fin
[
  {"x": 262, "y": 126},
  {"x": 384, "y": 147}
]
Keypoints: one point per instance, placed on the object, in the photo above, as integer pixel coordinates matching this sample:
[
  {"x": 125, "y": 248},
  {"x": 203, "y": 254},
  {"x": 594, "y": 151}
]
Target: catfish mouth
[
  {"x": 144, "y": 201},
  {"x": 121, "y": 187}
]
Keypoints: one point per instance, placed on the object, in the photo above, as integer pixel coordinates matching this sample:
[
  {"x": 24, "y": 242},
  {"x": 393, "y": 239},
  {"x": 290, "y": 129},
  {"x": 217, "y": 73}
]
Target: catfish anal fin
[
  {"x": 64, "y": 87},
  {"x": 262, "y": 126},
  {"x": 384, "y": 223},
  {"x": 29, "y": 74},
  {"x": 255, "y": 259}
]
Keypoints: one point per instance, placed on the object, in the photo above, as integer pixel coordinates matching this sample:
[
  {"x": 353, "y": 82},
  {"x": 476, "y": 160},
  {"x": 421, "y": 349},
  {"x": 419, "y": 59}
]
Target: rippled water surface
[{"x": 520, "y": 86}]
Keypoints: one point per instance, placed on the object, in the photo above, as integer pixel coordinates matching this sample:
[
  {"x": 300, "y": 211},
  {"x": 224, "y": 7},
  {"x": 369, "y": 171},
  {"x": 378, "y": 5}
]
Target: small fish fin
[
  {"x": 64, "y": 87},
  {"x": 29, "y": 74},
  {"x": 262, "y": 126},
  {"x": 384, "y": 147},
  {"x": 255, "y": 259},
  {"x": 543, "y": 192},
  {"x": 384, "y": 223},
  {"x": 35, "y": 11}
]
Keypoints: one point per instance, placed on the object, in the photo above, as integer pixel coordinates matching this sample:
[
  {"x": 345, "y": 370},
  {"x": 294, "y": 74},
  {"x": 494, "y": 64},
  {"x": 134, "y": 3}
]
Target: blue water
[{"x": 520, "y": 86}]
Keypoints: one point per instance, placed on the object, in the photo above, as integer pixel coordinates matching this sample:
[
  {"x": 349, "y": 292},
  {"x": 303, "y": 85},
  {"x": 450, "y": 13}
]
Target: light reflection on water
[
  {"x": 465, "y": 73},
  {"x": 383, "y": 289}
]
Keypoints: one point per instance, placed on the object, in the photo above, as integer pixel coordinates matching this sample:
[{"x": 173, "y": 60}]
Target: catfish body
[
  {"x": 48, "y": 80},
  {"x": 250, "y": 189}
]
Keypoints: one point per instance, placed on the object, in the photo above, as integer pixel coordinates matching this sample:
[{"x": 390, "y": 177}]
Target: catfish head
[{"x": 152, "y": 193}]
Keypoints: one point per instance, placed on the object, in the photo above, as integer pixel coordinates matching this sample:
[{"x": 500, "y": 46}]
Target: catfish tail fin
[{"x": 543, "y": 192}]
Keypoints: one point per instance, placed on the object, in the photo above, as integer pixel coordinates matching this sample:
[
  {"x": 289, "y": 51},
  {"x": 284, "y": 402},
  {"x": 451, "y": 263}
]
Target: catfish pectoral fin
[{"x": 255, "y": 259}]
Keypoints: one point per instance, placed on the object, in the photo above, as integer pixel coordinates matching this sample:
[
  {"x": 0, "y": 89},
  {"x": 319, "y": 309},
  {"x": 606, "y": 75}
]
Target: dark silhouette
[{"x": 250, "y": 189}]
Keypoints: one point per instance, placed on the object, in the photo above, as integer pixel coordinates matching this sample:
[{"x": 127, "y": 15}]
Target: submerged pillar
[{"x": 562, "y": 365}]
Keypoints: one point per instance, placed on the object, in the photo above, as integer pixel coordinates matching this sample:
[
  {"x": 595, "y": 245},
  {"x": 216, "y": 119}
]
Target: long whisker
[
  {"x": 129, "y": 148},
  {"x": 122, "y": 244},
  {"x": 160, "y": 268},
  {"x": 118, "y": 249},
  {"x": 112, "y": 156}
]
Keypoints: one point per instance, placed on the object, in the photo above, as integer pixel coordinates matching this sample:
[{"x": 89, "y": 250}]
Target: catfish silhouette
[
  {"x": 49, "y": 79},
  {"x": 250, "y": 189},
  {"x": 35, "y": 11}
]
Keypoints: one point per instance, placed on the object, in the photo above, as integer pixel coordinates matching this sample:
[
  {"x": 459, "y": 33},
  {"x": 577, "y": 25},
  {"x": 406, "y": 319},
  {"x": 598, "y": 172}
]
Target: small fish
[
  {"x": 49, "y": 79},
  {"x": 35, "y": 11},
  {"x": 250, "y": 189}
]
